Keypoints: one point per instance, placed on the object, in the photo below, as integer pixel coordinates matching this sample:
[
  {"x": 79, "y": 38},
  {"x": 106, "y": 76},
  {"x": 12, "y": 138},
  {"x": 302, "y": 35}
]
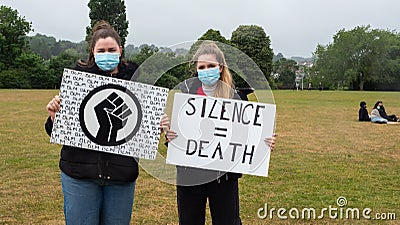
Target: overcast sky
[{"x": 295, "y": 27}]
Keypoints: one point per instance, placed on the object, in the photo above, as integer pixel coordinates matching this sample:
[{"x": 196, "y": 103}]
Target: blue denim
[
  {"x": 93, "y": 202},
  {"x": 376, "y": 119}
]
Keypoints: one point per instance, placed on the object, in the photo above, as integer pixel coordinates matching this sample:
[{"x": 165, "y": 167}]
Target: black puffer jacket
[{"x": 82, "y": 163}]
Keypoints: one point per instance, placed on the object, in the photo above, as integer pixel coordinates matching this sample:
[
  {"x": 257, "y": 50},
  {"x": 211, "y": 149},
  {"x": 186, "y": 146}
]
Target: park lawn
[{"x": 322, "y": 153}]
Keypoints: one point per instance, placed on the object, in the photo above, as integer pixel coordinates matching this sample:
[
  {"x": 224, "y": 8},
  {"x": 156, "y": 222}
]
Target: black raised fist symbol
[{"x": 112, "y": 114}]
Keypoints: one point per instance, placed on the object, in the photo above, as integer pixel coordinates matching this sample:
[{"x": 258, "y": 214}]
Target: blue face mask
[
  {"x": 209, "y": 76},
  {"x": 107, "y": 61}
]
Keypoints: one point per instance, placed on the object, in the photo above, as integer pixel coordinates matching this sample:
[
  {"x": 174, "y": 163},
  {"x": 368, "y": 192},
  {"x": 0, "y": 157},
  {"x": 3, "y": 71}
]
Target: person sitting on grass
[
  {"x": 376, "y": 116},
  {"x": 382, "y": 112},
  {"x": 363, "y": 113}
]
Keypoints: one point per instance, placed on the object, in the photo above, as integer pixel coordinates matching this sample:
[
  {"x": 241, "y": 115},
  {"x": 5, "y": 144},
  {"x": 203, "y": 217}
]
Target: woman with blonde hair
[
  {"x": 195, "y": 186},
  {"x": 211, "y": 66}
]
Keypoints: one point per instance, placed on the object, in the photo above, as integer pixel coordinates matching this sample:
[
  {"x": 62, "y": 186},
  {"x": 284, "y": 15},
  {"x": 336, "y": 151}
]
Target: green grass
[{"x": 322, "y": 153}]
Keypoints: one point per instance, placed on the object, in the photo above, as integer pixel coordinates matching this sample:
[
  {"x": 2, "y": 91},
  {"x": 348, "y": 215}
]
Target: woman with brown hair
[{"x": 98, "y": 187}]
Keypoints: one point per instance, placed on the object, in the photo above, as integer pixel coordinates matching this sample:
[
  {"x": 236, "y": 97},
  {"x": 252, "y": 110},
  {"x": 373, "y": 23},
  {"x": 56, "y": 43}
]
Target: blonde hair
[{"x": 225, "y": 88}]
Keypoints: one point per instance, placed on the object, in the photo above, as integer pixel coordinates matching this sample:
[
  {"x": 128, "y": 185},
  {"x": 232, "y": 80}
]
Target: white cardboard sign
[
  {"x": 109, "y": 115},
  {"x": 221, "y": 134}
]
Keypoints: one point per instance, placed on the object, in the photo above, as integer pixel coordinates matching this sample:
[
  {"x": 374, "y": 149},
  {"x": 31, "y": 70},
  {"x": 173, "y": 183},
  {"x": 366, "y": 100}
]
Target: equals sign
[{"x": 219, "y": 131}]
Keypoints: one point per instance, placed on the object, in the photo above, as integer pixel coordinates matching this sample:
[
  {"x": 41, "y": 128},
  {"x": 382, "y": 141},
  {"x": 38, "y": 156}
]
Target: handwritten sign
[
  {"x": 109, "y": 115},
  {"x": 221, "y": 134}
]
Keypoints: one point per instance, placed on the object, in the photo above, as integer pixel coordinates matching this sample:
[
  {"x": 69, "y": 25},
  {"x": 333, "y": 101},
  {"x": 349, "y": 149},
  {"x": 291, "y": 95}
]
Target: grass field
[{"x": 322, "y": 153}]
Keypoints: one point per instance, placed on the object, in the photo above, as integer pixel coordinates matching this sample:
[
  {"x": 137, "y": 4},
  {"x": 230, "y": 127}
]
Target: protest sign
[
  {"x": 109, "y": 115},
  {"x": 221, "y": 134}
]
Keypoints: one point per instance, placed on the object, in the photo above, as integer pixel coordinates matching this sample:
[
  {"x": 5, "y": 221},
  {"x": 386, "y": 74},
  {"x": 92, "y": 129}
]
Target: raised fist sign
[{"x": 112, "y": 114}]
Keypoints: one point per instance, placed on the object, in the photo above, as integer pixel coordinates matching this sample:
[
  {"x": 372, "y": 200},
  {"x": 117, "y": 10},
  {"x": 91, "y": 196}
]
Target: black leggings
[
  {"x": 223, "y": 200},
  {"x": 391, "y": 118}
]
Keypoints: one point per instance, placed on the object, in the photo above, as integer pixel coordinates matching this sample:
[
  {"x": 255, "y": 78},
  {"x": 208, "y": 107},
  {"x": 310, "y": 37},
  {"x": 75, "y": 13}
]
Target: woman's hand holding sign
[
  {"x": 271, "y": 142},
  {"x": 53, "y": 106},
  {"x": 165, "y": 126}
]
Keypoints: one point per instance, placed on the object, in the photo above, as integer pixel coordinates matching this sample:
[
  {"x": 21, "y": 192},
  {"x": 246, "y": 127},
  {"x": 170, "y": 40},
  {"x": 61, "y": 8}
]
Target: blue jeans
[
  {"x": 376, "y": 119},
  {"x": 94, "y": 202}
]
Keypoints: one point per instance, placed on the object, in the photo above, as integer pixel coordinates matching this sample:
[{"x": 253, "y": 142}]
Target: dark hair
[
  {"x": 377, "y": 103},
  {"x": 101, "y": 29},
  {"x": 362, "y": 104}
]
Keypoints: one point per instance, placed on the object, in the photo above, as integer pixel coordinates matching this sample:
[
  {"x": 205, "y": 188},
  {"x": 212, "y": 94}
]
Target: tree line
[{"x": 359, "y": 59}]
